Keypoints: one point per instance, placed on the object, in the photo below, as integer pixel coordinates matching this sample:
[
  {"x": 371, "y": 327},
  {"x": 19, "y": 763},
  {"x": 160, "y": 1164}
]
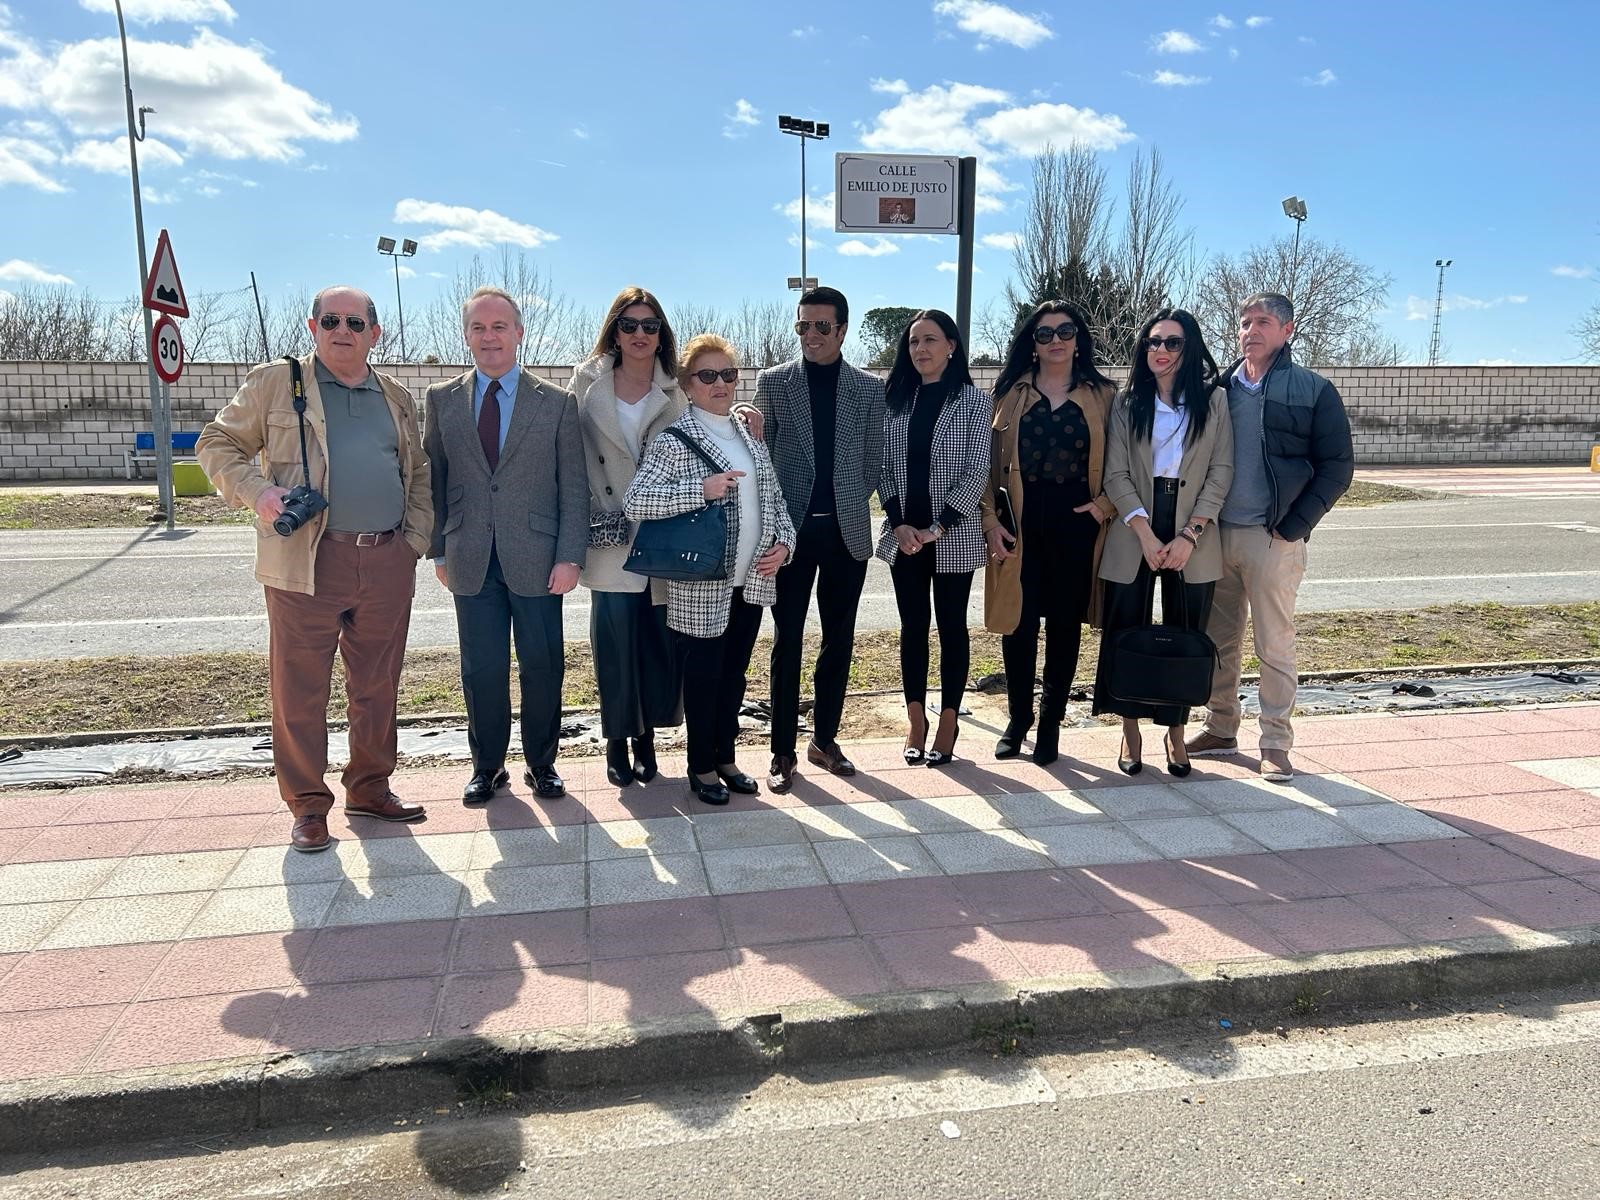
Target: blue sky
[{"x": 622, "y": 143}]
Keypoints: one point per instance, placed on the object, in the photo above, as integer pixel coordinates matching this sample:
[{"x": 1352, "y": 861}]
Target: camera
[{"x": 299, "y": 506}]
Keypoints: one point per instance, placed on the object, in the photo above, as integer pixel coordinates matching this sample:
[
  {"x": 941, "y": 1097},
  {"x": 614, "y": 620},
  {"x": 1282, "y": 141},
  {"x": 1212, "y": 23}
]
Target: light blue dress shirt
[{"x": 508, "y": 398}]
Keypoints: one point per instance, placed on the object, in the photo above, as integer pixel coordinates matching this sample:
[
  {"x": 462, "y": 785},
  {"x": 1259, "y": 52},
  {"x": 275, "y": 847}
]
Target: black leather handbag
[
  {"x": 690, "y": 546},
  {"x": 1162, "y": 664}
]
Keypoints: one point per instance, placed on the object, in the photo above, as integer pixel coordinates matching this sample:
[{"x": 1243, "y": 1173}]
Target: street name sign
[{"x": 897, "y": 193}]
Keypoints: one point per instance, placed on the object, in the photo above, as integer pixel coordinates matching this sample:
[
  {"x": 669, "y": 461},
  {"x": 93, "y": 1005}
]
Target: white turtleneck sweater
[{"x": 748, "y": 492}]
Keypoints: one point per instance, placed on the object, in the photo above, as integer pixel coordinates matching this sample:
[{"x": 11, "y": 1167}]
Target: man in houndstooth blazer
[{"x": 824, "y": 430}]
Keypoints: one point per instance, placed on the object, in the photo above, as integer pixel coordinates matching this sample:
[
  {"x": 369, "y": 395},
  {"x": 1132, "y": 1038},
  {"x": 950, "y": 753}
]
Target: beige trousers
[{"x": 1260, "y": 578}]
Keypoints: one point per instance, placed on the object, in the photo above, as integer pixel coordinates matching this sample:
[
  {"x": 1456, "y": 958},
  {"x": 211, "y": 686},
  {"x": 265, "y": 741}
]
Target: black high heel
[
  {"x": 644, "y": 757},
  {"x": 708, "y": 793},
  {"x": 940, "y": 758},
  {"x": 1129, "y": 766},
  {"x": 1010, "y": 742},
  {"x": 1178, "y": 770},
  {"x": 619, "y": 770},
  {"x": 915, "y": 754},
  {"x": 737, "y": 781}
]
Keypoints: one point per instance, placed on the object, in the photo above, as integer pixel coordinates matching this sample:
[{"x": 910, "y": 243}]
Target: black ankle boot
[
  {"x": 619, "y": 770},
  {"x": 644, "y": 757},
  {"x": 1010, "y": 743},
  {"x": 1047, "y": 738}
]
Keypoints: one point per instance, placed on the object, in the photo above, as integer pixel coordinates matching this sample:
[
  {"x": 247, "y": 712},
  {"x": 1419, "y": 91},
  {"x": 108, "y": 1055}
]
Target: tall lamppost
[
  {"x": 1438, "y": 309},
  {"x": 406, "y": 250},
  {"x": 1295, "y": 209},
  {"x": 805, "y": 131}
]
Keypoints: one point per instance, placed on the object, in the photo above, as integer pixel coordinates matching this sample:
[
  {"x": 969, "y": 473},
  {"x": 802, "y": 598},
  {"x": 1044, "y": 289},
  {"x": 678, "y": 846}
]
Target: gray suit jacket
[
  {"x": 785, "y": 405},
  {"x": 533, "y": 509}
]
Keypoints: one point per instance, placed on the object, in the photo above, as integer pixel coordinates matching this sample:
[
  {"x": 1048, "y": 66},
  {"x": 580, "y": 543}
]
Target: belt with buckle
[
  {"x": 1166, "y": 486},
  {"x": 361, "y": 539}
]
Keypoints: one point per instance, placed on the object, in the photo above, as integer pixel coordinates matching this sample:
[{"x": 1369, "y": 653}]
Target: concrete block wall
[{"x": 63, "y": 420}]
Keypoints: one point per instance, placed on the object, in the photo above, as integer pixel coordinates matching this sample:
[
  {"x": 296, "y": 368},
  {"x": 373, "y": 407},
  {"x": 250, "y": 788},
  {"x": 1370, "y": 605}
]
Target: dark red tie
[{"x": 489, "y": 424}]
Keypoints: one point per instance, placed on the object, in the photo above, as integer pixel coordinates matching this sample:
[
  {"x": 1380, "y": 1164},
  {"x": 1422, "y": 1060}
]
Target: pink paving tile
[
  {"x": 237, "y": 798},
  {"x": 1585, "y": 717},
  {"x": 662, "y": 985},
  {"x": 7, "y": 962},
  {"x": 1565, "y": 851},
  {"x": 1218, "y": 933},
  {"x": 1316, "y": 926},
  {"x": 128, "y": 804},
  {"x": 13, "y": 840},
  {"x": 1494, "y": 779},
  {"x": 1023, "y": 895},
  {"x": 894, "y": 905},
  {"x": 1525, "y": 747},
  {"x": 521, "y": 940},
  {"x": 35, "y": 1045},
  {"x": 1488, "y": 816},
  {"x": 1074, "y": 945},
  {"x": 773, "y": 975},
  {"x": 789, "y": 915},
  {"x": 248, "y": 962},
  {"x": 637, "y": 806},
  {"x": 1376, "y": 756},
  {"x": 432, "y": 786},
  {"x": 1442, "y": 725},
  {"x": 331, "y": 1016},
  {"x": 1544, "y": 903},
  {"x": 1352, "y": 869},
  {"x": 1124, "y": 887},
  {"x": 1517, "y": 720},
  {"x": 938, "y": 958},
  {"x": 1467, "y": 861},
  {"x": 187, "y": 1030},
  {"x": 1257, "y": 878},
  {"x": 655, "y": 927},
  {"x": 1411, "y": 785},
  {"x": 1439, "y": 914},
  {"x": 1443, "y": 752},
  {"x": 37, "y": 810},
  {"x": 1356, "y": 731},
  {"x": 71, "y": 978},
  {"x": 346, "y": 953},
  {"x": 514, "y": 1001},
  {"x": 215, "y": 833},
  {"x": 112, "y": 839}
]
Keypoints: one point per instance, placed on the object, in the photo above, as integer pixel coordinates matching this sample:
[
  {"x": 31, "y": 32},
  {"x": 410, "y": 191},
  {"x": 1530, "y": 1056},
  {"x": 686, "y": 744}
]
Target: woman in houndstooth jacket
[
  {"x": 716, "y": 619},
  {"x": 935, "y": 468}
]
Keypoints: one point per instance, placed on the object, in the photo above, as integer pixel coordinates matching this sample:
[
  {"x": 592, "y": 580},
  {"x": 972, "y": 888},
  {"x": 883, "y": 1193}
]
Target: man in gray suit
[
  {"x": 511, "y": 509},
  {"x": 824, "y": 430}
]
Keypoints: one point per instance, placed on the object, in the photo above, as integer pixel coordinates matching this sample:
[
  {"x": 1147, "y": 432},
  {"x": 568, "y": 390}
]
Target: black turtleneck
[{"x": 822, "y": 385}]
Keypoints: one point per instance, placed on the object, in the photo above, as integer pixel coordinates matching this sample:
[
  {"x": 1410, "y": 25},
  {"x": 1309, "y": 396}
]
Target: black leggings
[
  {"x": 914, "y": 578},
  {"x": 713, "y": 685}
]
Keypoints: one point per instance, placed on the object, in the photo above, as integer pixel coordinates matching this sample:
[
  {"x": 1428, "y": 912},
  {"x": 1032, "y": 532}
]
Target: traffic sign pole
[{"x": 969, "y": 220}]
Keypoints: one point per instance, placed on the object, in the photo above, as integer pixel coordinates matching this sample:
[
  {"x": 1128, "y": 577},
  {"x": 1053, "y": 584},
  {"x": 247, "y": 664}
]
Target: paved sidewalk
[
  {"x": 1553, "y": 482},
  {"x": 157, "y": 926}
]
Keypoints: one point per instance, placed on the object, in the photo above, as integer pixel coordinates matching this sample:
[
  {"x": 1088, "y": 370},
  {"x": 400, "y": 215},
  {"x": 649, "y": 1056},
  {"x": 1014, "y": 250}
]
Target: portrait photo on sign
[{"x": 896, "y": 212}]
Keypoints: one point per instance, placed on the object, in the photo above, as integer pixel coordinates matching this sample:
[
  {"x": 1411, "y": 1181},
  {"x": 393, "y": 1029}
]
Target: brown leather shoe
[
  {"x": 780, "y": 776},
  {"x": 830, "y": 758},
  {"x": 310, "y": 835},
  {"x": 390, "y": 808}
]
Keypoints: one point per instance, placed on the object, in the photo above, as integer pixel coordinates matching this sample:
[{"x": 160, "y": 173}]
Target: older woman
[
  {"x": 627, "y": 393},
  {"x": 1169, "y": 462},
  {"x": 716, "y": 620},
  {"x": 1044, "y": 515},
  {"x": 935, "y": 466}
]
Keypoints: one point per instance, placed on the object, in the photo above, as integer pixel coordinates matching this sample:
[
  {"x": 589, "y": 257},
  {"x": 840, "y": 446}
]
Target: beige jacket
[{"x": 254, "y": 442}]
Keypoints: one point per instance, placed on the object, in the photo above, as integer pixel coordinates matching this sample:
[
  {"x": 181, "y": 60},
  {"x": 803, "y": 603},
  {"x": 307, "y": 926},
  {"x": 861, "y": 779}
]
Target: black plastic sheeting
[{"x": 199, "y": 756}]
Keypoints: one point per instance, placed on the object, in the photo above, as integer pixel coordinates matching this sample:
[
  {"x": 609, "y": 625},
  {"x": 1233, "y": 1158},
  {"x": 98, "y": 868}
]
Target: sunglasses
[
  {"x": 1170, "y": 344},
  {"x": 1044, "y": 334},
  {"x": 727, "y": 375},
  {"x": 823, "y": 327},
  {"x": 630, "y": 325},
  {"x": 331, "y": 321}
]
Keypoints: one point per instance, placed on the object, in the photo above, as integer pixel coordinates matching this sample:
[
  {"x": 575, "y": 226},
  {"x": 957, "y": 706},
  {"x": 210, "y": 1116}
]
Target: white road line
[
  {"x": 1449, "y": 578},
  {"x": 117, "y": 558},
  {"x": 1572, "y": 525}
]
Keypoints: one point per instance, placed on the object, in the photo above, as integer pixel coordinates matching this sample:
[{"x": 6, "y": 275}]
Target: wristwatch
[
  {"x": 936, "y": 529},
  {"x": 1197, "y": 528}
]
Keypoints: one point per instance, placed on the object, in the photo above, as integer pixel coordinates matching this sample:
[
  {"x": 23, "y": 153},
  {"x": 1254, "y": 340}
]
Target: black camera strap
[{"x": 297, "y": 388}]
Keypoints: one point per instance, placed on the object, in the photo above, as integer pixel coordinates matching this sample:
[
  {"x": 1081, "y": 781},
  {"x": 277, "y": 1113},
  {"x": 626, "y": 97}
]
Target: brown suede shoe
[
  {"x": 780, "y": 776},
  {"x": 830, "y": 758},
  {"x": 1206, "y": 742},
  {"x": 390, "y": 808},
  {"x": 1276, "y": 767},
  {"x": 310, "y": 834}
]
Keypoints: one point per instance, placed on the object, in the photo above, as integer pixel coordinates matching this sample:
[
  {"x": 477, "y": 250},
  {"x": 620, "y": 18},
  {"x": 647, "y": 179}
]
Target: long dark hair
[
  {"x": 903, "y": 377},
  {"x": 1195, "y": 377},
  {"x": 1022, "y": 358},
  {"x": 606, "y": 343}
]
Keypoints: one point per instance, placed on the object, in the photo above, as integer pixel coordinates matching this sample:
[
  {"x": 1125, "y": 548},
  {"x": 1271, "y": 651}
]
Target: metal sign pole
[
  {"x": 164, "y": 456},
  {"x": 968, "y": 222}
]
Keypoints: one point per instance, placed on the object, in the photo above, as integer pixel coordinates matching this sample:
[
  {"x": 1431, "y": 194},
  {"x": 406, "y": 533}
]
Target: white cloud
[
  {"x": 994, "y": 22},
  {"x": 743, "y": 116},
  {"x": 953, "y": 267},
  {"x": 1173, "y": 79},
  {"x": 814, "y": 204},
  {"x": 406, "y": 272},
  {"x": 1494, "y": 362},
  {"x": 1026, "y": 130},
  {"x": 156, "y": 196},
  {"x": 1566, "y": 272},
  {"x": 1175, "y": 41},
  {"x": 111, "y": 157},
  {"x": 1322, "y": 79},
  {"x": 805, "y": 31},
  {"x": 856, "y": 248},
  {"x": 22, "y": 161},
  {"x": 1306, "y": 41},
  {"x": 1257, "y": 22},
  {"x": 1233, "y": 54},
  {"x": 148, "y": 12},
  {"x": 20, "y": 271},
  {"x": 1420, "y": 308},
  {"x": 579, "y": 132},
  {"x": 1001, "y": 241},
  {"x": 462, "y": 226},
  {"x": 1220, "y": 22},
  {"x": 892, "y": 87}
]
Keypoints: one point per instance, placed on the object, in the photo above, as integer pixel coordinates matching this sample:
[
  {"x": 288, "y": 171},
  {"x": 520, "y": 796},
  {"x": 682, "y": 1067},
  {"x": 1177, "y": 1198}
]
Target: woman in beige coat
[
  {"x": 627, "y": 393},
  {"x": 1044, "y": 515},
  {"x": 1169, "y": 462}
]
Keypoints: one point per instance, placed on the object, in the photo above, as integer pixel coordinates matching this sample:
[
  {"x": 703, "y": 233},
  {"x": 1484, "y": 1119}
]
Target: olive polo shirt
[{"x": 366, "y": 492}]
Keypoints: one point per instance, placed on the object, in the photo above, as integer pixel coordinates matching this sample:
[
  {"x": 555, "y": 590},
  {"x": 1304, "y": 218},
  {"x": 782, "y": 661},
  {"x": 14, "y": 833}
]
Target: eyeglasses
[
  {"x": 630, "y": 325},
  {"x": 823, "y": 327},
  {"x": 727, "y": 375},
  {"x": 1045, "y": 334},
  {"x": 330, "y": 321},
  {"x": 1170, "y": 344}
]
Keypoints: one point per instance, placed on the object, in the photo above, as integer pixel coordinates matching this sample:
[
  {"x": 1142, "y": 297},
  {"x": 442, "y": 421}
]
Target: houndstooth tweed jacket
[
  {"x": 668, "y": 482},
  {"x": 958, "y": 472},
  {"x": 785, "y": 404}
]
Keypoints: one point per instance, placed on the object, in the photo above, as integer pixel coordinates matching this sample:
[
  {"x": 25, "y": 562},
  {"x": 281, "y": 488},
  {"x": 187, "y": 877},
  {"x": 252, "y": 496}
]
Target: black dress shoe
[
  {"x": 708, "y": 793},
  {"x": 483, "y": 785},
  {"x": 780, "y": 776},
  {"x": 644, "y": 758},
  {"x": 619, "y": 768},
  {"x": 830, "y": 758},
  {"x": 738, "y": 781},
  {"x": 545, "y": 782}
]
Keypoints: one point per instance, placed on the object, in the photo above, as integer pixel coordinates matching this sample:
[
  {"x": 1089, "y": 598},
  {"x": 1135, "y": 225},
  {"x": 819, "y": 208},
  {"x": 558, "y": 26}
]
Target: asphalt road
[
  {"x": 1489, "y": 1101},
  {"x": 100, "y": 592}
]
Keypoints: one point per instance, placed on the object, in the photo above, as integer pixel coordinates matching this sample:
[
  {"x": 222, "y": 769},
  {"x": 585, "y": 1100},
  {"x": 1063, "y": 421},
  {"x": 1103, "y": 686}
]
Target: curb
[{"x": 241, "y": 1095}]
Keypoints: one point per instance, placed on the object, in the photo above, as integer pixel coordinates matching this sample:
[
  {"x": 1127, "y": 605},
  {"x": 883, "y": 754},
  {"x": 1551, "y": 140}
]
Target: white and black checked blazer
[
  {"x": 785, "y": 404},
  {"x": 958, "y": 473},
  {"x": 668, "y": 482}
]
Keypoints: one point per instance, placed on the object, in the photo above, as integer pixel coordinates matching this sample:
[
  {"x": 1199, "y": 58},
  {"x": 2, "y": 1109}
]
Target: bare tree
[
  {"x": 1336, "y": 299},
  {"x": 1587, "y": 332},
  {"x": 54, "y": 323},
  {"x": 554, "y": 331},
  {"x": 1067, "y": 220}
]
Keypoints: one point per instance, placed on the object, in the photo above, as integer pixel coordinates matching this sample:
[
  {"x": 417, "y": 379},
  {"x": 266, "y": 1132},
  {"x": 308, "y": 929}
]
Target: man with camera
[{"x": 329, "y": 454}]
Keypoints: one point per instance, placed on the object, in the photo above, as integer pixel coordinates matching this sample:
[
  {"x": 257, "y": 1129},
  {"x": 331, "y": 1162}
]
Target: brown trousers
[{"x": 363, "y": 609}]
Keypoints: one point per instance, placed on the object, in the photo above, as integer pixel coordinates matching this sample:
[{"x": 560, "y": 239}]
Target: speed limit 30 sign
[{"x": 166, "y": 349}]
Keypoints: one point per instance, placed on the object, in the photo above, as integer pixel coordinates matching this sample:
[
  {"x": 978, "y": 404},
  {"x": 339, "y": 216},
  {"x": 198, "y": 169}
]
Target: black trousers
[
  {"x": 635, "y": 664},
  {"x": 1129, "y": 605},
  {"x": 820, "y": 557},
  {"x": 486, "y": 624},
  {"x": 713, "y": 672},
  {"x": 1057, "y": 569},
  {"x": 914, "y": 577}
]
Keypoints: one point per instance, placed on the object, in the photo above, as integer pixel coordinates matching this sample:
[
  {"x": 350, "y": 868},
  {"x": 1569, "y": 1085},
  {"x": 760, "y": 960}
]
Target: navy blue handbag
[{"x": 690, "y": 546}]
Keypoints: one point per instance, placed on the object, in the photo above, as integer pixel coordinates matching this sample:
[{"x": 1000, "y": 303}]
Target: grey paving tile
[
  {"x": 1293, "y": 829},
  {"x": 153, "y": 874},
  {"x": 986, "y": 850},
  {"x": 541, "y": 847},
  {"x": 523, "y": 889},
  {"x": 763, "y": 868},
  {"x": 264, "y": 909},
  {"x": 651, "y": 836},
  {"x": 1092, "y": 845},
  {"x": 24, "y": 926},
  {"x": 1332, "y": 791},
  {"x": 1569, "y": 772},
  {"x": 114, "y": 921},
  {"x": 273, "y": 866},
  {"x": 849, "y": 822},
  {"x": 658, "y": 877},
  {"x": 71, "y": 879},
  {"x": 1064, "y": 807},
  {"x": 951, "y": 814},
  {"x": 435, "y": 854},
  {"x": 733, "y": 830},
  {"x": 1194, "y": 837},
  {"x": 1236, "y": 795},
  {"x": 1145, "y": 800},
  {"x": 1394, "y": 823},
  {"x": 879, "y": 858},
  {"x": 395, "y": 898}
]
